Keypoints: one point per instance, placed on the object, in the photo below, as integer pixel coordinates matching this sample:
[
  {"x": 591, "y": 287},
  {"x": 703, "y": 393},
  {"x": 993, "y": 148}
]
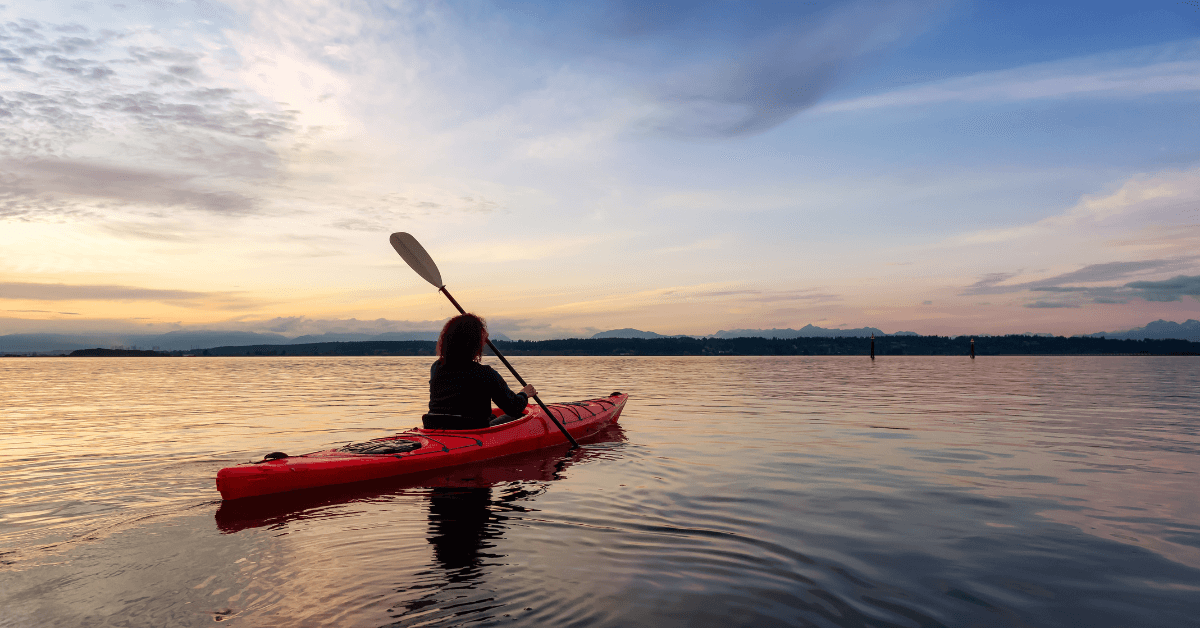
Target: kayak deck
[{"x": 418, "y": 450}]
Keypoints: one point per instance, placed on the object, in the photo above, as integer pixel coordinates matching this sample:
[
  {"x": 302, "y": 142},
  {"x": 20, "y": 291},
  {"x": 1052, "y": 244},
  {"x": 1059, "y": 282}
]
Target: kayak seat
[{"x": 435, "y": 421}]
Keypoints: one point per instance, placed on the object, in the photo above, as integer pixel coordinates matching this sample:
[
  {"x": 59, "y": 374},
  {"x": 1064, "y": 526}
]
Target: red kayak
[{"x": 418, "y": 450}]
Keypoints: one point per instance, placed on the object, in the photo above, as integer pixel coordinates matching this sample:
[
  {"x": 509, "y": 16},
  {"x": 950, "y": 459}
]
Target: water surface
[{"x": 753, "y": 491}]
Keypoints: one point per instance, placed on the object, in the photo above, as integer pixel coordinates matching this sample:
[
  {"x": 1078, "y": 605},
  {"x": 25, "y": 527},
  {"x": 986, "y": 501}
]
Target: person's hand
[{"x": 529, "y": 390}]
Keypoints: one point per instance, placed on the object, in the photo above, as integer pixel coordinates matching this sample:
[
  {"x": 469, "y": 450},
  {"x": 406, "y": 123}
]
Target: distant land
[
  {"x": 192, "y": 341},
  {"x": 687, "y": 346},
  {"x": 1157, "y": 330},
  {"x": 188, "y": 340},
  {"x": 808, "y": 331}
]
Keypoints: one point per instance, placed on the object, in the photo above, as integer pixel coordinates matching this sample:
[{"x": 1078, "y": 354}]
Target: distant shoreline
[{"x": 685, "y": 346}]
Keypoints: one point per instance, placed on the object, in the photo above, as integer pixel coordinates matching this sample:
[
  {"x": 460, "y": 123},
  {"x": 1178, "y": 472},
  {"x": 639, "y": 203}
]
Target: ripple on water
[{"x": 740, "y": 491}]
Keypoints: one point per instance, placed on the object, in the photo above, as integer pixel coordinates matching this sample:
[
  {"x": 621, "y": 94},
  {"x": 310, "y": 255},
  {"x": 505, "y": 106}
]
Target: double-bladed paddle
[{"x": 413, "y": 253}]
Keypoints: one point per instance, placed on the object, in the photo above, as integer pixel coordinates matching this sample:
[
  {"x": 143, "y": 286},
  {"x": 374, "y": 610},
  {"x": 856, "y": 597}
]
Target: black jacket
[{"x": 467, "y": 389}]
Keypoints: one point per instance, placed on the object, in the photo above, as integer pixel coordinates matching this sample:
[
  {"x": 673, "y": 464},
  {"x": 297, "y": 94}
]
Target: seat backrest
[{"x": 452, "y": 422}]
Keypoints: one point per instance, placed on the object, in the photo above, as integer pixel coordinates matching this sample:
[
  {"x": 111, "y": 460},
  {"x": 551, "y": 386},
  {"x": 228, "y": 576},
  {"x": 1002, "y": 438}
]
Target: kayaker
[{"x": 461, "y": 389}]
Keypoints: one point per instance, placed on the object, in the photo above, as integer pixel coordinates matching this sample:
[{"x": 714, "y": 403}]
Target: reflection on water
[
  {"x": 737, "y": 491},
  {"x": 461, "y": 522}
]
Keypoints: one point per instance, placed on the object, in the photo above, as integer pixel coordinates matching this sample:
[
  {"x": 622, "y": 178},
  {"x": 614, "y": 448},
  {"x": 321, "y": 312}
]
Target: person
[{"x": 461, "y": 389}]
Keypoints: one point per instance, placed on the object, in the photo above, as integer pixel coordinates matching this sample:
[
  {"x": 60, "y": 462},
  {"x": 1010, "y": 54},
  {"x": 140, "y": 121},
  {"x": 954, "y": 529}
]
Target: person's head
[{"x": 462, "y": 339}]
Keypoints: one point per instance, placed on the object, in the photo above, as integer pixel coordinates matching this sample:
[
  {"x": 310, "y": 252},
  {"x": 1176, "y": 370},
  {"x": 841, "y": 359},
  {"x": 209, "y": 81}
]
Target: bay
[{"x": 788, "y": 491}]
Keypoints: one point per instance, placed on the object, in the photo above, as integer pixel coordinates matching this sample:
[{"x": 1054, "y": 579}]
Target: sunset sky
[{"x": 938, "y": 167}]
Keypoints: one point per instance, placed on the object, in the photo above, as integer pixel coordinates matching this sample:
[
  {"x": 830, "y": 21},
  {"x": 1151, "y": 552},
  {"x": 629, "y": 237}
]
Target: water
[{"x": 734, "y": 492}]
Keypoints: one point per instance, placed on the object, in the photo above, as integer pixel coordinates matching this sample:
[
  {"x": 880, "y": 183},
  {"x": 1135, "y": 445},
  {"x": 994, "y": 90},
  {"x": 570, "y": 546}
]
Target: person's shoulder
[
  {"x": 488, "y": 369},
  {"x": 489, "y": 372}
]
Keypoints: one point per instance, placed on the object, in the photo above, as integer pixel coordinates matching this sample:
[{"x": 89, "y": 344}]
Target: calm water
[{"x": 735, "y": 492}]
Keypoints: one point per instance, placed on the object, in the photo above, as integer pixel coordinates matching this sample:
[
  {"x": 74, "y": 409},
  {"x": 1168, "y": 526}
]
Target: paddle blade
[{"x": 413, "y": 253}]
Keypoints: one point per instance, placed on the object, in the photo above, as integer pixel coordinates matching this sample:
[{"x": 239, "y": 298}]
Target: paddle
[{"x": 413, "y": 253}]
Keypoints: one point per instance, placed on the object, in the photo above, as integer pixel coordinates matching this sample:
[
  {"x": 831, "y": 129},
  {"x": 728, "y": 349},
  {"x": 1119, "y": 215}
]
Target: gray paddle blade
[{"x": 413, "y": 253}]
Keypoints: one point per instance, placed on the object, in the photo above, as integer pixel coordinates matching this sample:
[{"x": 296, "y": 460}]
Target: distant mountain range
[
  {"x": 188, "y": 340},
  {"x": 631, "y": 333},
  {"x": 808, "y": 331},
  {"x": 1158, "y": 330}
]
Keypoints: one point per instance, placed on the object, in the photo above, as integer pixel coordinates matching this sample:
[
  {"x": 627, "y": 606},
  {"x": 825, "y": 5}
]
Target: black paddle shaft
[{"x": 515, "y": 373}]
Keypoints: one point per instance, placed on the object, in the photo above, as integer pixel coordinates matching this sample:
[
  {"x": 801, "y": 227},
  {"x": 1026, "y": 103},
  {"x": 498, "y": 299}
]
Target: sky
[{"x": 942, "y": 167}]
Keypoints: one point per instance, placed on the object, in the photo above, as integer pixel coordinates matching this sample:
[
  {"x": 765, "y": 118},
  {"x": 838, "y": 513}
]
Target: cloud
[
  {"x": 384, "y": 212},
  {"x": 989, "y": 284},
  {"x": 759, "y": 296},
  {"x": 34, "y": 185},
  {"x": 1166, "y": 200},
  {"x": 993, "y": 283},
  {"x": 303, "y": 325},
  {"x": 1139, "y": 72},
  {"x": 92, "y": 121},
  {"x": 1059, "y": 289},
  {"x": 705, "y": 68},
  {"x": 1114, "y": 270},
  {"x": 133, "y": 95},
  {"x": 1167, "y": 290},
  {"x": 147, "y": 231},
  {"x": 710, "y": 244},
  {"x": 64, "y": 292},
  {"x": 752, "y": 68},
  {"x": 1161, "y": 291}
]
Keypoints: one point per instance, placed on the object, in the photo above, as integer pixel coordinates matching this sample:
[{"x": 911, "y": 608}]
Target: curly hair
[{"x": 461, "y": 339}]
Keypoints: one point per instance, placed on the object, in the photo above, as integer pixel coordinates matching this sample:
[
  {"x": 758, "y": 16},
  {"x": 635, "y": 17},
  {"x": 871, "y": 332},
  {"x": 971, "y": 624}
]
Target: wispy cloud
[
  {"x": 34, "y": 185},
  {"x": 697, "y": 294},
  {"x": 32, "y": 291},
  {"x": 995, "y": 283},
  {"x": 384, "y": 212},
  {"x": 65, "y": 292},
  {"x": 1140, "y": 72},
  {"x": 708, "y": 244},
  {"x": 95, "y": 120},
  {"x": 795, "y": 58},
  {"x": 1164, "y": 200},
  {"x": 1167, "y": 290},
  {"x": 301, "y": 325}
]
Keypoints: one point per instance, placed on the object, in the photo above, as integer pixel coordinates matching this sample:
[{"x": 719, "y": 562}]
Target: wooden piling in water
[
  {"x": 872, "y": 346},
  {"x": 972, "y": 348}
]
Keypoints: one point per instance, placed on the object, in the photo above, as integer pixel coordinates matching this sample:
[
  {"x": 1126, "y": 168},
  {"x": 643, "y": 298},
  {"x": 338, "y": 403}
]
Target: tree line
[{"x": 684, "y": 346}]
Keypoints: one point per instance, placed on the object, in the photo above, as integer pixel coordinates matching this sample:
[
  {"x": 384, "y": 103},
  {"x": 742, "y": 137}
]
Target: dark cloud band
[
  {"x": 1173, "y": 289},
  {"x": 66, "y": 292},
  {"x": 994, "y": 283}
]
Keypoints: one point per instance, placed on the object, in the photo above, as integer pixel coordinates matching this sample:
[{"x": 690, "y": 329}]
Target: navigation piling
[
  {"x": 972, "y": 348},
  {"x": 873, "y": 347}
]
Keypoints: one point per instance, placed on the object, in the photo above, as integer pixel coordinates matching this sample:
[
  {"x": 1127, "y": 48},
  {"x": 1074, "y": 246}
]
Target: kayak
[
  {"x": 541, "y": 465},
  {"x": 418, "y": 450}
]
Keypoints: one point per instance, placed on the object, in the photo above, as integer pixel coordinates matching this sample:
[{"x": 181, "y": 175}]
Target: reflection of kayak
[
  {"x": 544, "y": 465},
  {"x": 418, "y": 450}
]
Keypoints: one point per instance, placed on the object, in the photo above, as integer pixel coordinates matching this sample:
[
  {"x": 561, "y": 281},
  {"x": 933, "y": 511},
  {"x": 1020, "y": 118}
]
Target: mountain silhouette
[{"x": 1157, "y": 330}]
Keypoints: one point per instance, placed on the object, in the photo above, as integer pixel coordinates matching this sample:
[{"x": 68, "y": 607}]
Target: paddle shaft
[{"x": 515, "y": 373}]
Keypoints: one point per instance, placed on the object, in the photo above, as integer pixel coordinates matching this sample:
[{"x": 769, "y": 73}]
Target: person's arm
[{"x": 513, "y": 404}]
